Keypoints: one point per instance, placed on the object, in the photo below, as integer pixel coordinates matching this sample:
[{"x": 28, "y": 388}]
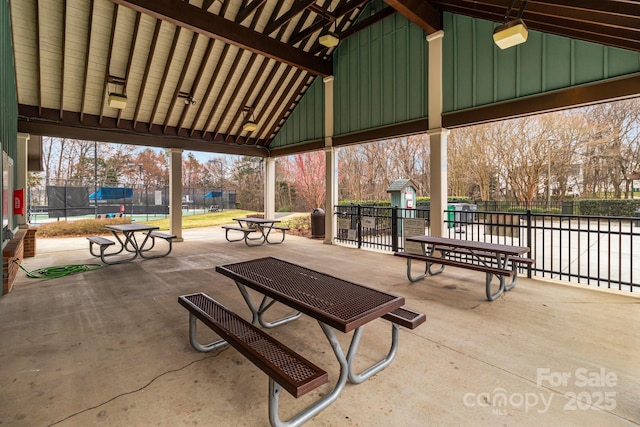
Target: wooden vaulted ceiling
[{"x": 195, "y": 70}]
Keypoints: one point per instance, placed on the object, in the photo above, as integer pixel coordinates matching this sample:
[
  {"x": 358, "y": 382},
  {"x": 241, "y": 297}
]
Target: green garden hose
[{"x": 59, "y": 271}]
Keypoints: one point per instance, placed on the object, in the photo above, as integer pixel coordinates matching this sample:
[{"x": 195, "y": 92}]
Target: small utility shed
[{"x": 403, "y": 193}]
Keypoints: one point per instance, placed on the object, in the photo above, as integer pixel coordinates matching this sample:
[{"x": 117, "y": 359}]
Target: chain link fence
[{"x": 69, "y": 199}]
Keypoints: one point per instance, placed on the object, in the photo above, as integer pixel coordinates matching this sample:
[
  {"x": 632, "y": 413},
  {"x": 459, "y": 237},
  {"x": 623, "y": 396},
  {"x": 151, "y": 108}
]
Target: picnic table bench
[
  {"x": 334, "y": 303},
  {"x": 128, "y": 244},
  {"x": 493, "y": 259},
  {"x": 248, "y": 226}
]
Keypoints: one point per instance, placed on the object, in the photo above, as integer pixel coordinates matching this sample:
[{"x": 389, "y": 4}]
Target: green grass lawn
[
  {"x": 202, "y": 220},
  {"x": 298, "y": 223},
  {"x": 86, "y": 227}
]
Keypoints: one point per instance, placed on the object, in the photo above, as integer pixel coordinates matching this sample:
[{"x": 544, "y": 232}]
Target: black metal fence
[{"x": 593, "y": 250}]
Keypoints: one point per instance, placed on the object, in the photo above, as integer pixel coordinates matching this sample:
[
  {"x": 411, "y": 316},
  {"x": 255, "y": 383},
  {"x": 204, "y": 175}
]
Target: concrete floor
[{"x": 110, "y": 347}]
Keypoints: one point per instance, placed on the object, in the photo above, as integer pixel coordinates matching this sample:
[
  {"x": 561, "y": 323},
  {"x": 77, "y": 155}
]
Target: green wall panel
[
  {"x": 380, "y": 76},
  {"x": 476, "y": 72},
  {"x": 306, "y": 121},
  {"x": 8, "y": 98},
  {"x": 381, "y": 73}
]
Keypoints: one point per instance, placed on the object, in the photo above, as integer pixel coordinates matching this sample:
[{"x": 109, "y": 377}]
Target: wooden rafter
[
  {"x": 207, "y": 94},
  {"x": 147, "y": 67},
  {"x": 221, "y": 94},
  {"x": 183, "y": 74},
  {"x": 214, "y": 26},
  {"x": 196, "y": 83},
  {"x": 86, "y": 62},
  {"x": 136, "y": 29},
  {"x": 110, "y": 52},
  {"x": 64, "y": 42},
  {"x": 167, "y": 68},
  {"x": 38, "y": 64}
]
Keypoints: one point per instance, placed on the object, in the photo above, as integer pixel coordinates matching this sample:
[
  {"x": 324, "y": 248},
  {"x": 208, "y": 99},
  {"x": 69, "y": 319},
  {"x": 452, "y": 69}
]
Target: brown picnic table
[
  {"x": 493, "y": 259},
  {"x": 336, "y": 304}
]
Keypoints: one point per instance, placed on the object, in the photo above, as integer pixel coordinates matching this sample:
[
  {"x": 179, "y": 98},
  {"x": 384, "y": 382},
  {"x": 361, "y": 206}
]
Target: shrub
[{"x": 300, "y": 225}]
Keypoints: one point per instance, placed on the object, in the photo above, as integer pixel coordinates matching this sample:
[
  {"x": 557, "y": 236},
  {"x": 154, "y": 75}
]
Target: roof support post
[
  {"x": 22, "y": 175},
  {"x": 437, "y": 137},
  {"x": 175, "y": 193},
  {"x": 269, "y": 187},
  {"x": 331, "y": 164}
]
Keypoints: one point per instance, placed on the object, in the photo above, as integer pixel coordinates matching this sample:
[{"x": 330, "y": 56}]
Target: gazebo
[{"x": 273, "y": 78}]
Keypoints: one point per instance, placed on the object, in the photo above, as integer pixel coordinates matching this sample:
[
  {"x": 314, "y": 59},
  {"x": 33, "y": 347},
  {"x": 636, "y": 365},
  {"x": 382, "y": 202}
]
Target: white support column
[
  {"x": 269, "y": 187},
  {"x": 175, "y": 193},
  {"x": 437, "y": 137},
  {"x": 22, "y": 175},
  {"x": 331, "y": 164},
  {"x": 438, "y": 167}
]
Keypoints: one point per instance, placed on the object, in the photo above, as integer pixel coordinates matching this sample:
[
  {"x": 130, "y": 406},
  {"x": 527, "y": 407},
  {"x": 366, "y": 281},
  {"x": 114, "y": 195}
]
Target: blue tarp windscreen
[{"x": 112, "y": 193}]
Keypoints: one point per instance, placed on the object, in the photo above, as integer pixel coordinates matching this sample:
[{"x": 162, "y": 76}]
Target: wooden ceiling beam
[
  {"x": 93, "y": 130},
  {"x": 64, "y": 42},
  {"x": 233, "y": 129},
  {"x": 420, "y": 12},
  {"x": 236, "y": 93},
  {"x": 136, "y": 30},
  {"x": 292, "y": 95},
  {"x": 207, "y": 94},
  {"x": 221, "y": 94},
  {"x": 244, "y": 12},
  {"x": 147, "y": 67},
  {"x": 38, "y": 62},
  {"x": 107, "y": 73},
  {"x": 196, "y": 83},
  {"x": 86, "y": 61},
  {"x": 192, "y": 18},
  {"x": 165, "y": 74},
  {"x": 283, "y": 19},
  {"x": 183, "y": 74}
]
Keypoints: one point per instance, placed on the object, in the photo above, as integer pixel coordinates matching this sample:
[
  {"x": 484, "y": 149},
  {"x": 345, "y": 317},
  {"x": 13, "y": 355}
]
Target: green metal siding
[
  {"x": 380, "y": 76},
  {"x": 306, "y": 121},
  {"x": 8, "y": 98},
  {"x": 476, "y": 72}
]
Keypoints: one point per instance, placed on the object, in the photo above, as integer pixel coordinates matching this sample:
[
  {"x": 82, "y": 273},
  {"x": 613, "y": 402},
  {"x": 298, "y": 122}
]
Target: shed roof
[{"x": 401, "y": 184}]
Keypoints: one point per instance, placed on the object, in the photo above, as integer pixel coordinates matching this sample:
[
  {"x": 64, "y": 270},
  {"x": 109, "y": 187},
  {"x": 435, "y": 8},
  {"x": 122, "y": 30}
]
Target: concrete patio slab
[{"x": 110, "y": 347}]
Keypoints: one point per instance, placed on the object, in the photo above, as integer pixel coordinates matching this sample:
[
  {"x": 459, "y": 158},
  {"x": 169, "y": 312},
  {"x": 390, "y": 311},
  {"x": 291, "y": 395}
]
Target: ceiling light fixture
[
  {"x": 249, "y": 124},
  {"x": 117, "y": 100},
  {"x": 329, "y": 39},
  {"x": 188, "y": 98},
  {"x": 511, "y": 33}
]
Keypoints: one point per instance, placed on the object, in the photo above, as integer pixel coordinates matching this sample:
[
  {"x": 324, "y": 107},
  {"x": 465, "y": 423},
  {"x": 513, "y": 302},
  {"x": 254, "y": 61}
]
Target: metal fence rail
[{"x": 592, "y": 250}]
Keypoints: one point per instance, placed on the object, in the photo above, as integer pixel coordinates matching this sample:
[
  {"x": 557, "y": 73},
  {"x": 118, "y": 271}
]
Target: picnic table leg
[
  {"x": 205, "y": 348},
  {"x": 314, "y": 409},
  {"x": 124, "y": 246},
  {"x": 491, "y": 296},
  {"x": 377, "y": 367},
  {"x": 257, "y": 313},
  {"x": 514, "y": 280},
  {"x": 421, "y": 276}
]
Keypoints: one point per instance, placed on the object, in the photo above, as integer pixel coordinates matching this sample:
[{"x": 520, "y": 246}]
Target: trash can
[
  {"x": 468, "y": 213},
  {"x": 317, "y": 223},
  {"x": 637, "y": 221}
]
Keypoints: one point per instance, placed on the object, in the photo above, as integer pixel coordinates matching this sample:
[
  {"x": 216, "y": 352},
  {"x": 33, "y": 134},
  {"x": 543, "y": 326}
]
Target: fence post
[
  {"x": 529, "y": 237},
  {"x": 359, "y": 225},
  {"x": 394, "y": 228}
]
